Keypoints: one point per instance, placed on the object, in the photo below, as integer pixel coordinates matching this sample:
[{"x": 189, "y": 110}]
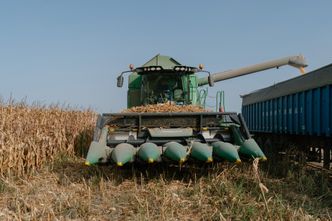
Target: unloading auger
[{"x": 175, "y": 137}]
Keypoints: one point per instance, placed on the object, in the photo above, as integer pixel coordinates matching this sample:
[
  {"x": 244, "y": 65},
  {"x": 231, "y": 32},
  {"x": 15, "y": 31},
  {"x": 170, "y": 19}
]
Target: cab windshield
[{"x": 162, "y": 87}]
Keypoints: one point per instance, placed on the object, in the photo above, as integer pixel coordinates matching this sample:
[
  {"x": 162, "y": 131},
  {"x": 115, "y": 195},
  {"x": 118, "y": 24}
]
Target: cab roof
[{"x": 165, "y": 62}]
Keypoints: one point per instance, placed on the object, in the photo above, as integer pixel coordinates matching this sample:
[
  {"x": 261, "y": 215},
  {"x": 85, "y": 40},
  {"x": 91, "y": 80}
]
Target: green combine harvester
[{"x": 175, "y": 138}]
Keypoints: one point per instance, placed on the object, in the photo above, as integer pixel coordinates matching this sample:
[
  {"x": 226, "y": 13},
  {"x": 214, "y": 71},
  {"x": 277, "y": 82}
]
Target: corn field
[{"x": 33, "y": 135}]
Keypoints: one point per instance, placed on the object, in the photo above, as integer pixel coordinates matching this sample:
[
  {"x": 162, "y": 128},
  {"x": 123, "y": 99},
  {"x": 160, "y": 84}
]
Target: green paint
[
  {"x": 98, "y": 151},
  {"x": 237, "y": 136},
  {"x": 123, "y": 153},
  {"x": 201, "y": 152},
  {"x": 251, "y": 148},
  {"x": 150, "y": 87},
  {"x": 175, "y": 151},
  {"x": 149, "y": 152},
  {"x": 225, "y": 151}
]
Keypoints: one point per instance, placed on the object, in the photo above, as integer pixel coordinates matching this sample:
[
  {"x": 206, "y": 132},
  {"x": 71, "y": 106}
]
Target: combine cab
[{"x": 175, "y": 137}]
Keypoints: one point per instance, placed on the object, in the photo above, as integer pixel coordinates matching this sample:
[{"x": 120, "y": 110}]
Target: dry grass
[
  {"x": 67, "y": 190},
  {"x": 43, "y": 179}
]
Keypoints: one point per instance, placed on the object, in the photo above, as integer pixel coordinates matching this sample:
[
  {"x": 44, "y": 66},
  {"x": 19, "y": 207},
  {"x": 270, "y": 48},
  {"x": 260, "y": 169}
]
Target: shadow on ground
[{"x": 75, "y": 170}]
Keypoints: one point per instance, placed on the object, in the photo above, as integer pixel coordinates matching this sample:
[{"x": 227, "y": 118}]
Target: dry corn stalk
[{"x": 32, "y": 135}]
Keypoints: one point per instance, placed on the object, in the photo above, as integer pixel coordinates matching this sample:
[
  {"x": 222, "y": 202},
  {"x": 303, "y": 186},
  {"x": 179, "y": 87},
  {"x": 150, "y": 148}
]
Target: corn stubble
[{"x": 70, "y": 191}]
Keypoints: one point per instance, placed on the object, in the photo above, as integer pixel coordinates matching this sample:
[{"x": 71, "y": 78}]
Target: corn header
[{"x": 175, "y": 137}]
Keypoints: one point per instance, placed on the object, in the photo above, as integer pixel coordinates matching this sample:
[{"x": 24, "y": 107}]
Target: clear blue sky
[{"x": 71, "y": 51}]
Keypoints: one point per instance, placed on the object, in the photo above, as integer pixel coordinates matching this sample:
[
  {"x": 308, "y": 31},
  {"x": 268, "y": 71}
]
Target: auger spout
[{"x": 295, "y": 61}]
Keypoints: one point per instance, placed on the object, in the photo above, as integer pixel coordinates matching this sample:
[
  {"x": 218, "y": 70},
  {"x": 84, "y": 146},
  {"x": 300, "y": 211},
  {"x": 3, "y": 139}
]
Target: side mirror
[
  {"x": 211, "y": 81},
  {"x": 119, "y": 81}
]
